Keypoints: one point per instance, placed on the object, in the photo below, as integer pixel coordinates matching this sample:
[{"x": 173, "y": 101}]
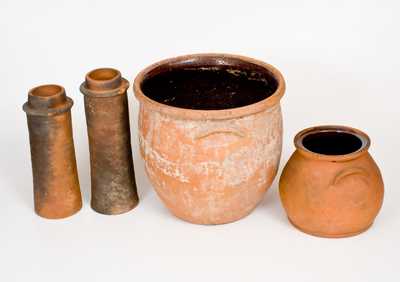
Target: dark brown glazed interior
[
  {"x": 209, "y": 83},
  {"x": 332, "y": 142}
]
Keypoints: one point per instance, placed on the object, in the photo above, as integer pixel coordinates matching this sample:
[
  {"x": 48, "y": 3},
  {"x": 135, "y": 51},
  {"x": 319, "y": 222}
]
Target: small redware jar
[{"x": 331, "y": 186}]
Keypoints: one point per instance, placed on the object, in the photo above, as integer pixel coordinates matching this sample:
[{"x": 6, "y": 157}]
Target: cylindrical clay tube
[
  {"x": 55, "y": 179},
  {"x": 111, "y": 163}
]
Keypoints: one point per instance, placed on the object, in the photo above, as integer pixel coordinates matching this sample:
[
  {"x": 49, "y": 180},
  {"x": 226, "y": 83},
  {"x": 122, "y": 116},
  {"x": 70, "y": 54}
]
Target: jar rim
[
  {"x": 363, "y": 137},
  {"x": 220, "y": 58}
]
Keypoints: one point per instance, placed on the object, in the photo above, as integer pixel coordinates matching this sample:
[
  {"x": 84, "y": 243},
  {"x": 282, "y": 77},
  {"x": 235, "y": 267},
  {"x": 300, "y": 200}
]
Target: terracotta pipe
[
  {"x": 55, "y": 179},
  {"x": 111, "y": 164}
]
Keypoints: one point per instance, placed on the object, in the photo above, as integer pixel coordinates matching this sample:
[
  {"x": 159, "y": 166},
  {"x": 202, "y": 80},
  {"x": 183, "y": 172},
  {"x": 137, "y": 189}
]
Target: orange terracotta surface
[
  {"x": 210, "y": 166},
  {"x": 55, "y": 177},
  {"x": 331, "y": 195}
]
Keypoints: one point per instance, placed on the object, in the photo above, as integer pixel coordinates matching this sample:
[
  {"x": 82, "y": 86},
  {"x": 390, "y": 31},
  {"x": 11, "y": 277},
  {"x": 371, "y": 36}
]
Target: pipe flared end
[
  {"x": 47, "y": 99},
  {"x": 103, "y": 79},
  {"x": 104, "y": 82}
]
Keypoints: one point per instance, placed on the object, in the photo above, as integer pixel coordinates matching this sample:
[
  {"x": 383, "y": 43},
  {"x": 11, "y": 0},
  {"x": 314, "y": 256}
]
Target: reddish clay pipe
[
  {"x": 111, "y": 163},
  {"x": 55, "y": 179}
]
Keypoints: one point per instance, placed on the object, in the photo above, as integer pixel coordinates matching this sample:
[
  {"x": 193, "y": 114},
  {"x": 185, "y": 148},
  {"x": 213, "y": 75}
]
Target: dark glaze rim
[
  {"x": 217, "y": 59},
  {"x": 364, "y": 138}
]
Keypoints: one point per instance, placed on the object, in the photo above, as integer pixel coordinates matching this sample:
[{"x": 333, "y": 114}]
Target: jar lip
[
  {"x": 221, "y": 58},
  {"x": 363, "y": 137}
]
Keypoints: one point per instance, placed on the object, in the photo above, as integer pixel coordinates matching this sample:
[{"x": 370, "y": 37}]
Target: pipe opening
[
  {"x": 103, "y": 74},
  {"x": 46, "y": 90}
]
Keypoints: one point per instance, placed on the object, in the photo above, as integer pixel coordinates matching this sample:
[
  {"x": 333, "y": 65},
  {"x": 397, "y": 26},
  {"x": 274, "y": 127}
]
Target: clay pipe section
[
  {"x": 331, "y": 186},
  {"x": 111, "y": 164},
  {"x": 55, "y": 179}
]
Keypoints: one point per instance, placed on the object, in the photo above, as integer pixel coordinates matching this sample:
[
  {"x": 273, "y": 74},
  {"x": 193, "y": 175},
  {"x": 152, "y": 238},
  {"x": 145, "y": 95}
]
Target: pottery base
[
  {"x": 324, "y": 235},
  {"x": 121, "y": 211},
  {"x": 59, "y": 217},
  {"x": 198, "y": 222}
]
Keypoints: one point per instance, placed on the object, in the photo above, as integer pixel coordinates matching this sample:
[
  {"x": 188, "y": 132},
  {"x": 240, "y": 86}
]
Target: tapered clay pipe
[
  {"x": 111, "y": 163},
  {"x": 55, "y": 179}
]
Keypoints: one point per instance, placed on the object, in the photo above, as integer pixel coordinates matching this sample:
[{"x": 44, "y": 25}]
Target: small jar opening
[{"x": 332, "y": 142}]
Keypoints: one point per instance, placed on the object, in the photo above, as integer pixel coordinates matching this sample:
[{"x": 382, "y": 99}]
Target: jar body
[
  {"x": 211, "y": 171},
  {"x": 331, "y": 198}
]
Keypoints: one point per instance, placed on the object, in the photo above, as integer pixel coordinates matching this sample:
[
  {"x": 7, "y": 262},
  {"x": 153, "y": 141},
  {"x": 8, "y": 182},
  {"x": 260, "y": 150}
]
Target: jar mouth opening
[
  {"x": 198, "y": 86},
  {"x": 333, "y": 142},
  {"x": 209, "y": 83}
]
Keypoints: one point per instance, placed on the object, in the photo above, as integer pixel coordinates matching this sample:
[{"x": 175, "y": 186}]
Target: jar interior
[
  {"x": 209, "y": 83},
  {"x": 332, "y": 143}
]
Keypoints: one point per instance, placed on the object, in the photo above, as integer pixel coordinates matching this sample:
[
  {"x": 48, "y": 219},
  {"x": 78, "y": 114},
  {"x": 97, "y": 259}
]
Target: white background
[{"x": 341, "y": 63}]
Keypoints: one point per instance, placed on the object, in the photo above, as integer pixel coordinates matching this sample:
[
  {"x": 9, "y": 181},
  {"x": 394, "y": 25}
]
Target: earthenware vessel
[
  {"x": 210, "y": 132},
  {"x": 55, "y": 178},
  {"x": 331, "y": 186},
  {"x": 111, "y": 164}
]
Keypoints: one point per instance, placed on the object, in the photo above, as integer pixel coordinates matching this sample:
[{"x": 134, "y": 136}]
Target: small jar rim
[{"x": 363, "y": 137}]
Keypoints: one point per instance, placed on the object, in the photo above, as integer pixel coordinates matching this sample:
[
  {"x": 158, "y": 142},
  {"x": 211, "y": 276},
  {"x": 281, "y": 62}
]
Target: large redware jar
[
  {"x": 210, "y": 131},
  {"x": 331, "y": 186}
]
